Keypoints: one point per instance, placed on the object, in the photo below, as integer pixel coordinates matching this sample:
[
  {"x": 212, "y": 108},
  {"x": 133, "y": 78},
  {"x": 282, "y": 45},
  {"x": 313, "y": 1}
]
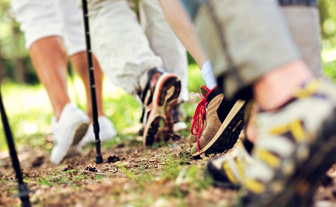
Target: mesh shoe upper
[
  {"x": 230, "y": 169},
  {"x": 293, "y": 142}
]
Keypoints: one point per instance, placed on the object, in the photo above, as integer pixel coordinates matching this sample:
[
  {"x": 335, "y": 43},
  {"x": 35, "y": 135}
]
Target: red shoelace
[{"x": 198, "y": 120}]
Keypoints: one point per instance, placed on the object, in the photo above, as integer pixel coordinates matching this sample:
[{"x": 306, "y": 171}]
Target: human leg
[
  {"x": 218, "y": 62},
  {"x": 42, "y": 25},
  {"x": 302, "y": 19},
  {"x": 181, "y": 25},
  {"x": 51, "y": 68},
  {"x": 164, "y": 43},
  {"x": 75, "y": 41},
  {"x": 183, "y": 28},
  {"x": 128, "y": 61},
  {"x": 80, "y": 63},
  {"x": 34, "y": 17},
  {"x": 289, "y": 150}
]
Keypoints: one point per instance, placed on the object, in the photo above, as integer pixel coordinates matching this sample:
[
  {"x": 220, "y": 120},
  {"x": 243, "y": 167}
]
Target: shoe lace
[{"x": 198, "y": 120}]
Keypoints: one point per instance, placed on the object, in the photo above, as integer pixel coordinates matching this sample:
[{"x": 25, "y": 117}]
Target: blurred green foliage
[{"x": 327, "y": 10}]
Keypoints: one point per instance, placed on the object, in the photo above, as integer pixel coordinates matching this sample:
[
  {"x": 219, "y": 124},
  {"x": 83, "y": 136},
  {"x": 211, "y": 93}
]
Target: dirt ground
[{"x": 131, "y": 175}]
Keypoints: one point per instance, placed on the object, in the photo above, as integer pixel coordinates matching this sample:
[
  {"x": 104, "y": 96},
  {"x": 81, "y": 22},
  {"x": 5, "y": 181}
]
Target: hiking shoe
[
  {"x": 68, "y": 131},
  {"x": 159, "y": 98},
  {"x": 296, "y": 145},
  {"x": 224, "y": 122},
  {"x": 106, "y": 132},
  {"x": 200, "y": 117},
  {"x": 179, "y": 125},
  {"x": 231, "y": 169},
  {"x": 191, "y": 140}
]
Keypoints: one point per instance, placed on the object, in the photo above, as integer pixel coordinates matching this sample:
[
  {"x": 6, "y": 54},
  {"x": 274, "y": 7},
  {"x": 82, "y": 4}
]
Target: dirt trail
[{"x": 131, "y": 175}]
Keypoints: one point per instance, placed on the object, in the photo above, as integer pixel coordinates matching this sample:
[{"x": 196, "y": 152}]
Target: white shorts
[{"x": 43, "y": 18}]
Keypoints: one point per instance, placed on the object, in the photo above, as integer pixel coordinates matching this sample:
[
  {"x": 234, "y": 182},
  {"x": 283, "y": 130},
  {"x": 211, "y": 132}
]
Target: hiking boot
[
  {"x": 230, "y": 170},
  {"x": 68, "y": 131},
  {"x": 192, "y": 138},
  {"x": 217, "y": 123},
  {"x": 159, "y": 97},
  {"x": 106, "y": 132},
  {"x": 296, "y": 145},
  {"x": 179, "y": 125}
]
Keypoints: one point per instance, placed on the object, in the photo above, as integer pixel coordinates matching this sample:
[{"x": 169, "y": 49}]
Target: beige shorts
[
  {"x": 43, "y": 18},
  {"x": 244, "y": 39},
  {"x": 126, "y": 50}
]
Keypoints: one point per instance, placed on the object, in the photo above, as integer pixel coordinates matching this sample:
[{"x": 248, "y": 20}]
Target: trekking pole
[
  {"x": 22, "y": 187},
  {"x": 99, "y": 158}
]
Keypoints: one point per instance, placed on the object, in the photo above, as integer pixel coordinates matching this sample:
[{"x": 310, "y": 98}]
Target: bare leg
[
  {"x": 49, "y": 58},
  {"x": 182, "y": 26},
  {"x": 80, "y": 62},
  {"x": 279, "y": 85}
]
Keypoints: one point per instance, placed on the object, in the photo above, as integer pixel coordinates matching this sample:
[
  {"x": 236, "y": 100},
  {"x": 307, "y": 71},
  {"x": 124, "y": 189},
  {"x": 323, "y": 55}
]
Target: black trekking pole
[
  {"x": 99, "y": 158},
  {"x": 22, "y": 187}
]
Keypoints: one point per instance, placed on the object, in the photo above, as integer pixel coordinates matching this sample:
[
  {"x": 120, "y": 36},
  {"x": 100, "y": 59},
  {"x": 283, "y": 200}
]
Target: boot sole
[
  {"x": 301, "y": 188},
  {"x": 229, "y": 131},
  {"x": 167, "y": 91}
]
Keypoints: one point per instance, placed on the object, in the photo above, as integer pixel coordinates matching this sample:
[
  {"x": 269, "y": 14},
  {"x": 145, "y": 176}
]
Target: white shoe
[
  {"x": 179, "y": 126},
  {"x": 106, "y": 132},
  {"x": 68, "y": 131}
]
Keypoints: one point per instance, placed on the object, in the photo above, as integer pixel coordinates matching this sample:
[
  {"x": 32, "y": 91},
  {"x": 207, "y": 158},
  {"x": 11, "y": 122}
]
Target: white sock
[{"x": 208, "y": 75}]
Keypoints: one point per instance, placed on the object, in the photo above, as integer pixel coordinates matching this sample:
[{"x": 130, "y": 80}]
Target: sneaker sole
[
  {"x": 229, "y": 131},
  {"x": 301, "y": 188},
  {"x": 78, "y": 135},
  {"x": 168, "y": 128},
  {"x": 165, "y": 98}
]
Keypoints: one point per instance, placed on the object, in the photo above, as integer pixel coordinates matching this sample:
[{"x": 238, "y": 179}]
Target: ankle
[
  {"x": 58, "y": 109},
  {"x": 277, "y": 87}
]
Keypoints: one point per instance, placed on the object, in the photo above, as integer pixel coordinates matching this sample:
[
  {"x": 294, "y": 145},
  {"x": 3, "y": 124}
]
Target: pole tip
[{"x": 99, "y": 159}]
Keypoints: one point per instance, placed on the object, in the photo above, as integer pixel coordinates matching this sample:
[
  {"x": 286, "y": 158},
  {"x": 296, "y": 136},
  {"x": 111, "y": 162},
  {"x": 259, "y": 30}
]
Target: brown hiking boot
[
  {"x": 206, "y": 112},
  {"x": 217, "y": 128},
  {"x": 192, "y": 138}
]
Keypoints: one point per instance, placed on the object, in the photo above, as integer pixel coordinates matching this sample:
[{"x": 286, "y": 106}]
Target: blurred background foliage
[
  {"x": 328, "y": 23},
  {"x": 27, "y": 103}
]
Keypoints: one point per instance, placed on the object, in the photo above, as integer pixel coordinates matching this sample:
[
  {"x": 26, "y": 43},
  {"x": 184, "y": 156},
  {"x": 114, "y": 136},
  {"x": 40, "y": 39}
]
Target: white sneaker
[
  {"x": 179, "y": 126},
  {"x": 68, "y": 131},
  {"x": 107, "y": 132}
]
